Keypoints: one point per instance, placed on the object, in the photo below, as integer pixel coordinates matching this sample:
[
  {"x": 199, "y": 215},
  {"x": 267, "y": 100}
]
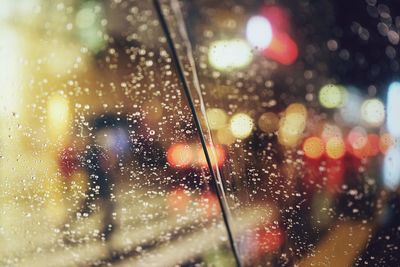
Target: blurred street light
[
  {"x": 393, "y": 109},
  {"x": 227, "y": 55},
  {"x": 373, "y": 112},
  {"x": 292, "y": 124},
  {"x": 335, "y": 148},
  {"x": 241, "y": 125},
  {"x": 313, "y": 147},
  {"x": 217, "y": 118},
  {"x": 332, "y": 96},
  {"x": 259, "y": 32}
]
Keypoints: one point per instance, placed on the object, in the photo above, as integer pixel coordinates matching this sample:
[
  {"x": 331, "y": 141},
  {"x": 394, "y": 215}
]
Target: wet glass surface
[
  {"x": 94, "y": 124},
  {"x": 302, "y": 97},
  {"x": 102, "y": 162}
]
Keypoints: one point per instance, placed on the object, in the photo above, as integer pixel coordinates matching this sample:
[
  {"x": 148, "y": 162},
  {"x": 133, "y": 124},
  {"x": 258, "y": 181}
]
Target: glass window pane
[
  {"x": 302, "y": 96},
  {"x": 101, "y": 163}
]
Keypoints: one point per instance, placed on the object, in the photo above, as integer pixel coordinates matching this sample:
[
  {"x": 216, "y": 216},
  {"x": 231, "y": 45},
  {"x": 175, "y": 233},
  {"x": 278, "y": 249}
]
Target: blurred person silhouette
[{"x": 107, "y": 146}]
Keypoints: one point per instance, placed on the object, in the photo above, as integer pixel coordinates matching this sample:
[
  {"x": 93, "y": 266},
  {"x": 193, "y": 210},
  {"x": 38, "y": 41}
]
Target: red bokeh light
[
  {"x": 277, "y": 16},
  {"x": 269, "y": 240},
  {"x": 334, "y": 173},
  {"x": 68, "y": 161},
  {"x": 282, "y": 48},
  {"x": 364, "y": 147}
]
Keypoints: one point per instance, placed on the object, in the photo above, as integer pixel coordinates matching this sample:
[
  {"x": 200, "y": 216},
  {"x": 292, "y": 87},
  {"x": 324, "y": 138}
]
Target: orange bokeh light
[
  {"x": 313, "y": 147},
  {"x": 385, "y": 142},
  {"x": 179, "y": 155},
  {"x": 217, "y": 156},
  {"x": 369, "y": 148},
  {"x": 373, "y": 145}
]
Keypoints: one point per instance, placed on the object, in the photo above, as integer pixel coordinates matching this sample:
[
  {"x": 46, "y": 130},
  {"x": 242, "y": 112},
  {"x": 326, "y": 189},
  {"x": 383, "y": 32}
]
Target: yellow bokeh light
[
  {"x": 224, "y": 136},
  {"x": 58, "y": 114},
  {"x": 291, "y": 128},
  {"x": 229, "y": 54},
  {"x": 241, "y": 125},
  {"x": 216, "y": 118},
  {"x": 268, "y": 122},
  {"x": 335, "y": 148},
  {"x": 332, "y": 96},
  {"x": 296, "y": 108},
  {"x": 373, "y": 112},
  {"x": 63, "y": 59},
  {"x": 292, "y": 124}
]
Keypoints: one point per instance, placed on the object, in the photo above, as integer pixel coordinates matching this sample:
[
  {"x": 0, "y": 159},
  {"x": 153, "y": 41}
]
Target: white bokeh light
[
  {"x": 373, "y": 112},
  {"x": 351, "y": 110},
  {"x": 391, "y": 168},
  {"x": 259, "y": 32},
  {"x": 393, "y": 109},
  {"x": 226, "y": 55},
  {"x": 241, "y": 125}
]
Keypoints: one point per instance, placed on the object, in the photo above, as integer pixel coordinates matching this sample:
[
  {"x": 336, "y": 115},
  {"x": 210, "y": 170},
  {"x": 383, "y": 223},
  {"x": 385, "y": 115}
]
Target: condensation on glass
[
  {"x": 101, "y": 162},
  {"x": 302, "y": 95}
]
